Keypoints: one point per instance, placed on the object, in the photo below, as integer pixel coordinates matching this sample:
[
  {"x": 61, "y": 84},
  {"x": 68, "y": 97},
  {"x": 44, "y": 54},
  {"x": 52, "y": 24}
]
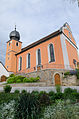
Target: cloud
[{"x": 35, "y": 19}]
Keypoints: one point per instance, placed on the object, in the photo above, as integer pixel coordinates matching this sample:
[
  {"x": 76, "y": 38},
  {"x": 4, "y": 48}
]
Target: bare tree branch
[{"x": 73, "y": 1}]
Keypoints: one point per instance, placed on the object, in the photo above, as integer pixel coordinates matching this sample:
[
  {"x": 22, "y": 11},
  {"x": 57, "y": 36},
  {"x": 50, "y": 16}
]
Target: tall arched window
[
  {"x": 28, "y": 60},
  {"x": 38, "y": 57},
  {"x": 51, "y": 53},
  {"x": 20, "y": 63}
]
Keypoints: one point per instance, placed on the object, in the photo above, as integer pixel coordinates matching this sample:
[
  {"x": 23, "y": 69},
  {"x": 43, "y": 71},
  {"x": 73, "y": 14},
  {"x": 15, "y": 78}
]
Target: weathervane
[{"x": 15, "y": 27}]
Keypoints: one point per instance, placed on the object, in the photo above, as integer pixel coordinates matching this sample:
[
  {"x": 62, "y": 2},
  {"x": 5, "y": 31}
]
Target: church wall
[
  {"x": 72, "y": 53},
  {"x": 58, "y": 64}
]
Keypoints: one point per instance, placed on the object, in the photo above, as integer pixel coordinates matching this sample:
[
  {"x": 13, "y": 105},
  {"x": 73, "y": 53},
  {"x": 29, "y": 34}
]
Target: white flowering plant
[{"x": 7, "y": 110}]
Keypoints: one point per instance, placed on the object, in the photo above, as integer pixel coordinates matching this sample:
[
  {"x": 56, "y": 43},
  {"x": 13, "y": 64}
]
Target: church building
[{"x": 57, "y": 51}]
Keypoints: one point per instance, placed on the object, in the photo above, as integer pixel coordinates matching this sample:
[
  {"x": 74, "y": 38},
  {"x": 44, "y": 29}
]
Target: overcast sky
[{"x": 35, "y": 19}]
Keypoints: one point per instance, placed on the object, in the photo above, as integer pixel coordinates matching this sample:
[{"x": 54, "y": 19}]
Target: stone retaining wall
[{"x": 48, "y": 77}]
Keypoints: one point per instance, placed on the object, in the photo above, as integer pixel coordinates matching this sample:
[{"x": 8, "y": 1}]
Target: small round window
[{"x": 17, "y": 44}]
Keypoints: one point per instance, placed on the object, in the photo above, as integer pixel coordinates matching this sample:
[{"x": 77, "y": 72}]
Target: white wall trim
[
  {"x": 69, "y": 41},
  {"x": 65, "y": 53}
]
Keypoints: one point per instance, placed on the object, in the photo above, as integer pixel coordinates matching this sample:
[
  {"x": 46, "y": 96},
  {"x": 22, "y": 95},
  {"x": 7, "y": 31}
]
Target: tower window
[
  {"x": 9, "y": 43},
  {"x": 28, "y": 60},
  {"x": 69, "y": 35},
  {"x": 7, "y": 66},
  {"x": 16, "y": 43},
  {"x": 51, "y": 53},
  {"x": 20, "y": 63}
]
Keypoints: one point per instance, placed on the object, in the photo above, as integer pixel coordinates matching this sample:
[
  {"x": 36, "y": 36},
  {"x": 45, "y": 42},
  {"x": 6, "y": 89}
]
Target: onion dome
[{"x": 15, "y": 35}]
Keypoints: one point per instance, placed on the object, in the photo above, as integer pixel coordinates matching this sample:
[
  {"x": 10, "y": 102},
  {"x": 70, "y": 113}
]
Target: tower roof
[{"x": 15, "y": 35}]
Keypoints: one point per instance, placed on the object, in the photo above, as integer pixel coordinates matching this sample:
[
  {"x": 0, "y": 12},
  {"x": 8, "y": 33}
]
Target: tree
[{"x": 72, "y": 1}]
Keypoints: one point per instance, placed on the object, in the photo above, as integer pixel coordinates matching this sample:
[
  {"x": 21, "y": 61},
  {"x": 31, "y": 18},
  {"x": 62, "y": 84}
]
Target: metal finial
[{"x": 15, "y": 27}]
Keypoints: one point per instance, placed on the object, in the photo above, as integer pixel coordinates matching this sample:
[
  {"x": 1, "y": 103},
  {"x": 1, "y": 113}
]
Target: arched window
[
  {"x": 28, "y": 60},
  {"x": 51, "y": 53},
  {"x": 16, "y": 43},
  {"x": 20, "y": 63},
  {"x": 38, "y": 57}
]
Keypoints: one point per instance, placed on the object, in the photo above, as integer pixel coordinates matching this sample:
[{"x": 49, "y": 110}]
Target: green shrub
[
  {"x": 77, "y": 74},
  {"x": 68, "y": 93},
  {"x": 36, "y": 93},
  {"x": 43, "y": 92},
  {"x": 58, "y": 89},
  {"x": 30, "y": 80},
  {"x": 25, "y": 80},
  {"x": 7, "y": 97},
  {"x": 15, "y": 79},
  {"x": 76, "y": 95},
  {"x": 18, "y": 81},
  {"x": 27, "y": 107},
  {"x": 7, "y": 89},
  {"x": 23, "y": 91},
  {"x": 11, "y": 75},
  {"x": 16, "y": 91},
  {"x": 44, "y": 99},
  {"x": 11, "y": 80},
  {"x": 52, "y": 95},
  {"x": 19, "y": 78},
  {"x": 34, "y": 79},
  {"x": 59, "y": 95},
  {"x": 67, "y": 73}
]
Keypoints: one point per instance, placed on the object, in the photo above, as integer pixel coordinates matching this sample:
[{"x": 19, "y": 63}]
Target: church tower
[{"x": 13, "y": 47}]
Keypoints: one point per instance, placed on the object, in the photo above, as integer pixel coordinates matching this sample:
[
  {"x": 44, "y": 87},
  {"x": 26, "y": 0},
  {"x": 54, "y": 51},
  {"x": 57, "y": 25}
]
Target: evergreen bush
[
  {"x": 52, "y": 95},
  {"x": 23, "y": 91},
  {"x": 68, "y": 93},
  {"x": 58, "y": 89},
  {"x": 7, "y": 89},
  {"x": 11, "y": 75},
  {"x": 16, "y": 91},
  {"x": 44, "y": 99}
]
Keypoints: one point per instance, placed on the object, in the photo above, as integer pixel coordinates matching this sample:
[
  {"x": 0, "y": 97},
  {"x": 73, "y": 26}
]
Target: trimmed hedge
[{"x": 21, "y": 79}]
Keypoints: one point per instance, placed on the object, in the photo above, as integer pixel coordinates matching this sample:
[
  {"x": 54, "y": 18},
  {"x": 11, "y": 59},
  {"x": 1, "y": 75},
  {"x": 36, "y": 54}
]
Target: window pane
[
  {"x": 52, "y": 58},
  {"x": 20, "y": 63},
  {"x": 28, "y": 60},
  {"x": 39, "y": 57}
]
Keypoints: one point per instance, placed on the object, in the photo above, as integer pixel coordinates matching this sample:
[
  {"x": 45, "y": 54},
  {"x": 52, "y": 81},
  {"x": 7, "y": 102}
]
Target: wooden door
[{"x": 57, "y": 79}]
